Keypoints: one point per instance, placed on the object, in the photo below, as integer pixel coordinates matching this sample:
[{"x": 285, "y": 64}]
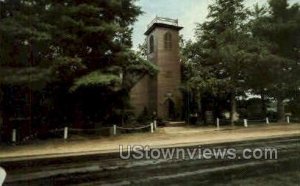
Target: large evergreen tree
[
  {"x": 275, "y": 72},
  {"x": 78, "y": 52},
  {"x": 239, "y": 51},
  {"x": 219, "y": 55}
]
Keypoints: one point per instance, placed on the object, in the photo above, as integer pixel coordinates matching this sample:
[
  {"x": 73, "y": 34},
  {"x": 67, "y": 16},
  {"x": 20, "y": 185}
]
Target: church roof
[{"x": 163, "y": 22}]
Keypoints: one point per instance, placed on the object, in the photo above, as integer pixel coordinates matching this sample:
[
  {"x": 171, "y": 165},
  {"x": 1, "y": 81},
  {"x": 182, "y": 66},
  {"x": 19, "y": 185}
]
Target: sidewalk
[{"x": 163, "y": 137}]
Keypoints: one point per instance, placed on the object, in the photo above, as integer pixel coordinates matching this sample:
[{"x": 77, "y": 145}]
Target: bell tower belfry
[
  {"x": 163, "y": 50},
  {"x": 160, "y": 94}
]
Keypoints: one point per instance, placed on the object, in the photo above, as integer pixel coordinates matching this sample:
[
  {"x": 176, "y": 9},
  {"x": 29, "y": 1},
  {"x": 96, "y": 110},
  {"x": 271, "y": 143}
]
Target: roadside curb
[{"x": 116, "y": 151}]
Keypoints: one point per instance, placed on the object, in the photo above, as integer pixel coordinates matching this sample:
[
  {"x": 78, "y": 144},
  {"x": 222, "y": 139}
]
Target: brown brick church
[{"x": 161, "y": 94}]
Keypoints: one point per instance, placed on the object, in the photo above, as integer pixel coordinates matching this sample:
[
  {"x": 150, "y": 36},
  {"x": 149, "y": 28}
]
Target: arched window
[
  {"x": 151, "y": 44},
  {"x": 168, "y": 41}
]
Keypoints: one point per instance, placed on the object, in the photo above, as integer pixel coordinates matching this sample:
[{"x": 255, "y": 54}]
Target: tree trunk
[
  {"x": 79, "y": 118},
  {"x": 280, "y": 110},
  {"x": 199, "y": 107},
  {"x": 233, "y": 109},
  {"x": 263, "y": 104},
  {"x": 1, "y": 123}
]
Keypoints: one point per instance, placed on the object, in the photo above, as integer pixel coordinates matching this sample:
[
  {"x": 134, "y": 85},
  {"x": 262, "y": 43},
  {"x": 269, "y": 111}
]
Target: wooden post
[
  {"x": 288, "y": 119},
  {"x": 245, "y": 123},
  {"x": 65, "y": 133},
  {"x": 115, "y": 130},
  {"x": 14, "y": 136},
  {"x": 155, "y": 124},
  {"x": 267, "y": 121},
  {"x": 218, "y": 123},
  {"x": 151, "y": 126}
]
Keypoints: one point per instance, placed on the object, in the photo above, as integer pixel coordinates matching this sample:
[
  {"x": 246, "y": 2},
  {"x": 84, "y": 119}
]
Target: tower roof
[{"x": 163, "y": 22}]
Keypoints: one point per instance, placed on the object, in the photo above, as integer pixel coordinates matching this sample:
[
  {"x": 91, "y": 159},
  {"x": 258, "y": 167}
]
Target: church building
[{"x": 161, "y": 94}]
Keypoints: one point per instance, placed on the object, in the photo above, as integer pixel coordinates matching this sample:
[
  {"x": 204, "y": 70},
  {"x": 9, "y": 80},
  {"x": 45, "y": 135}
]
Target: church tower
[
  {"x": 163, "y": 50},
  {"x": 161, "y": 94}
]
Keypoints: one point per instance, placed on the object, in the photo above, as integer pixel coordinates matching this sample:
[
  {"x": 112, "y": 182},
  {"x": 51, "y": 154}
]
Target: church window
[
  {"x": 168, "y": 41},
  {"x": 151, "y": 44}
]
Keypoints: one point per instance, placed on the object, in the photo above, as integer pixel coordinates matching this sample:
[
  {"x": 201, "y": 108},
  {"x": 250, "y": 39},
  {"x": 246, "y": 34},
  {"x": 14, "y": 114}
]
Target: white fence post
[
  {"x": 2, "y": 175},
  {"x": 288, "y": 119},
  {"x": 65, "y": 133},
  {"x": 115, "y": 130},
  {"x": 267, "y": 120},
  {"x": 14, "y": 136},
  {"x": 218, "y": 123},
  {"x": 151, "y": 126},
  {"x": 155, "y": 124},
  {"x": 245, "y": 123}
]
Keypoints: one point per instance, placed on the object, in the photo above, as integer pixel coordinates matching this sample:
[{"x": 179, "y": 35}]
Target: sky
[{"x": 188, "y": 12}]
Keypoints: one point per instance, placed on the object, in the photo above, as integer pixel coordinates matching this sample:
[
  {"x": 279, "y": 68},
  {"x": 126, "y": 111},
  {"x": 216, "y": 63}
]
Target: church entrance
[{"x": 171, "y": 109}]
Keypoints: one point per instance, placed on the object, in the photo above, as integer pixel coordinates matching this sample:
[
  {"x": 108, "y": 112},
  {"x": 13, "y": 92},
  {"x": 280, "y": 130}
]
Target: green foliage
[
  {"x": 216, "y": 60},
  {"x": 35, "y": 78},
  {"x": 239, "y": 51},
  {"x": 135, "y": 68},
  {"x": 87, "y": 36},
  {"x": 294, "y": 107},
  {"x": 66, "y": 69},
  {"x": 83, "y": 46},
  {"x": 280, "y": 30},
  {"x": 95, "y": 79}
]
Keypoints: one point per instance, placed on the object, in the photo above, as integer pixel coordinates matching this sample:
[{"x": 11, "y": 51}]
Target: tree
[
  {"x": 278, "y": 30},
  {"x": 74, "y": 48},
  {"x": 219, "y": 54}
]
